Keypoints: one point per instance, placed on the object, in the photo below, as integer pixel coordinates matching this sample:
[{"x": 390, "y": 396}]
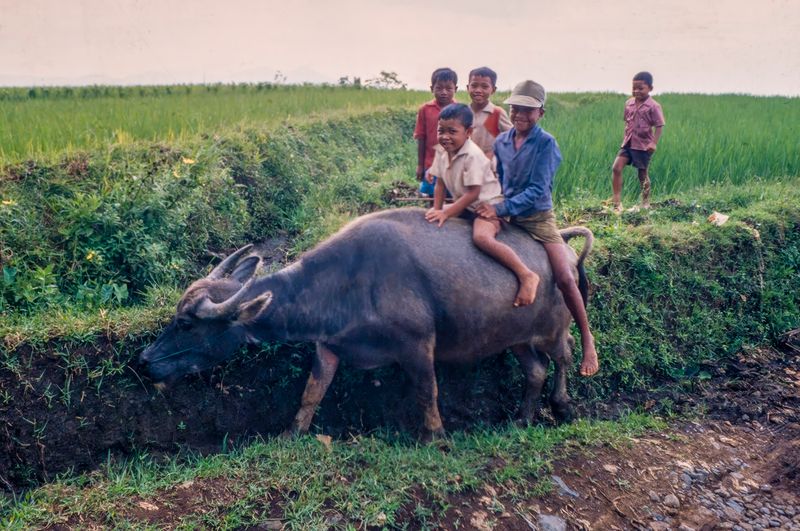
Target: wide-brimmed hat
[{"x": 527, "y": 94}]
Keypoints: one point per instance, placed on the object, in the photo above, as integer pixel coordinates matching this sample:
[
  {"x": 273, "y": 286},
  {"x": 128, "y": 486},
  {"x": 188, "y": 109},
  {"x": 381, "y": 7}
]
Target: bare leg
[
  {"x": 419, "y": 366},
  {"x": 619, "y": 164},
  {"x": 562, "y": 270},
  {"x": 644, "y": 180},
  {"x": 322, "y": 371},
  {"x": 484, "y": 234},
  {"x": 534, "y": 365}
]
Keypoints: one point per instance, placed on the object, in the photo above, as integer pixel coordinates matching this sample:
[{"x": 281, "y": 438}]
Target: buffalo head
[{"x": 210, "y": 324}]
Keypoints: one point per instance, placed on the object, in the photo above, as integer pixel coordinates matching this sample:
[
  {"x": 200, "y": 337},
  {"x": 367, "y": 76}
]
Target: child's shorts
[
  {"x": 638, "y": 158},
  {"x": 426, "y": 188},
  {"x": 541, "y": 226}
]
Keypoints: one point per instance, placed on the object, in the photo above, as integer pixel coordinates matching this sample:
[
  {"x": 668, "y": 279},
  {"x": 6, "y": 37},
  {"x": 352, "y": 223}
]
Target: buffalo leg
[
  {"x": 322, "y": 371},
  {"x": 420, "y": 369},
  {"x": 534, "y": 366},
  {"x": 561, "y": 355}
]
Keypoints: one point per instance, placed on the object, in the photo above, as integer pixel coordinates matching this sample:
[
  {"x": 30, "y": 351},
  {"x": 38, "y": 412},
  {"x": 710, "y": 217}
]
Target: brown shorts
[
  {"x": 638, "y": 158},
  {"x": 541, "y": 226}
]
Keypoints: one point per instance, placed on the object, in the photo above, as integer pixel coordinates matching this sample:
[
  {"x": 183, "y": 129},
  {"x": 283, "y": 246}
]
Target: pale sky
[{"x": 711, "y": 46}]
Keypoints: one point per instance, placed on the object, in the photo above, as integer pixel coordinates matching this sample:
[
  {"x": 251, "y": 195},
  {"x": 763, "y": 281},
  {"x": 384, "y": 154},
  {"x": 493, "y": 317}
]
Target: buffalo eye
[{"x": 184, "y": 324}]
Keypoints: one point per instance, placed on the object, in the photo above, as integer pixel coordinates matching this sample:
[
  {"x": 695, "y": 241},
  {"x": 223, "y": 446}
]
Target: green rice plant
[
  {"x": 43, "y": 123},
  {"x": 707, "y": 139},
  {"x": 722, "y": 139}
]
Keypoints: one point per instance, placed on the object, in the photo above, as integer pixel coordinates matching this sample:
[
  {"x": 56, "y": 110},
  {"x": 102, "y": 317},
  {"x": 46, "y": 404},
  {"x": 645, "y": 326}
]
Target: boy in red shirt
[
  {"x": 444, "y": 83},
  {"x": 644, "y": 121}
]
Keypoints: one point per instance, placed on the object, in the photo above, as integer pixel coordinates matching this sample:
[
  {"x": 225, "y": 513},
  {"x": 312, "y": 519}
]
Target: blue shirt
[{"x": 526, "y": 174}]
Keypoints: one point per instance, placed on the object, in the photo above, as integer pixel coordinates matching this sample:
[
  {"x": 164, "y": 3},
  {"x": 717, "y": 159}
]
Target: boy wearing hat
[{"x": 527, "y": 159}]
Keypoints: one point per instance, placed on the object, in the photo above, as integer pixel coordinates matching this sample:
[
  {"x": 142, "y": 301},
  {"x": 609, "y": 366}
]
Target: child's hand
[
  {"x": 420, "y": 172},
  {"x": 429, "y": 177},
  {"x": 651, "y": 147},
  {"x": 434, "y": 216},
  {"x": 486, "y": 211}
]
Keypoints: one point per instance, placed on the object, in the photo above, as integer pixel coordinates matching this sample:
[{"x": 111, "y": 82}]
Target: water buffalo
[{"x": 387, "y": 288}]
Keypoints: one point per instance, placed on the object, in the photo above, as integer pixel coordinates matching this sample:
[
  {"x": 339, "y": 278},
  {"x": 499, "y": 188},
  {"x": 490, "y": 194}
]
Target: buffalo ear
[
  {"x": 245, "y": 269},
  {"x": 250, "y": 310}
]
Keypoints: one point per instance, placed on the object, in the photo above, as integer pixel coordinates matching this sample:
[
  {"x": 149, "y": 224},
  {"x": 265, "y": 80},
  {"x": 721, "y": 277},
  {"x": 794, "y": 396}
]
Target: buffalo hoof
[
  {"x": 428, "y": 436},
  {"x": 561, "y": 412},
  {"x": 291, "y": 433},
  {"x": 526, "y": 420},
  {"x": 527, "y": 413}
]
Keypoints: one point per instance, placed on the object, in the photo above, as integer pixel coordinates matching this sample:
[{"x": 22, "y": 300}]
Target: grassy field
[
  {"x": 708, "y": 139},
  {"x": 43, "y": 123}
]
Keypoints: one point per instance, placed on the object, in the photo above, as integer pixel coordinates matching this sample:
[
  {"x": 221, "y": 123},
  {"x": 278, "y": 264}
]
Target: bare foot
[
  {"x": 527, "y": 289},
  {"x": 589, "y": 365},
  {"x": 618, "y": 209}
]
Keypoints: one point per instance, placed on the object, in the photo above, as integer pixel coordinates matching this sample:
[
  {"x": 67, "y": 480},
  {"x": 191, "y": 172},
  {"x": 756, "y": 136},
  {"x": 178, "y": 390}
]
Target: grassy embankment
[{"x": 120, "y": 227}]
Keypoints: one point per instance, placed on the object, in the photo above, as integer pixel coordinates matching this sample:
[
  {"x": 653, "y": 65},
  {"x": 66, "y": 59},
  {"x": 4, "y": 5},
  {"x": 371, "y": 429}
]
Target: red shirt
[
  {"x": 639, "y": 122},
  {"x": 427, "y": 128}
]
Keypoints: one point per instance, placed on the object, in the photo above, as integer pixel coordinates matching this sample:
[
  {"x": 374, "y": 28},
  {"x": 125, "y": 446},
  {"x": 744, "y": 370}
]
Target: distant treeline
[{"x": 116, "y": 91}]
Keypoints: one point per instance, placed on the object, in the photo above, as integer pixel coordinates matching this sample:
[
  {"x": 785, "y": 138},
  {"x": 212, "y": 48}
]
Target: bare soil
[{"x": 734, "y": 464}]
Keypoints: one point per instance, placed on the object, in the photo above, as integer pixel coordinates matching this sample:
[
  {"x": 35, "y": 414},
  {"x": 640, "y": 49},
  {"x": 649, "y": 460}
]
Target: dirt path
[
  {"x": 737, "y": 466},
  {"x": 710, "y": 475}
]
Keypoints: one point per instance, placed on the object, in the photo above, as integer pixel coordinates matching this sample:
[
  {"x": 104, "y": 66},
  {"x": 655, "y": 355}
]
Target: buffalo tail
[{"x": 583, "y": 281}]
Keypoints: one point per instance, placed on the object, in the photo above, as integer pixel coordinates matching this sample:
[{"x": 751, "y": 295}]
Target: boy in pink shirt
[
  {"x": 444, "y": 83},
  {"x": 644, "y": 122}
]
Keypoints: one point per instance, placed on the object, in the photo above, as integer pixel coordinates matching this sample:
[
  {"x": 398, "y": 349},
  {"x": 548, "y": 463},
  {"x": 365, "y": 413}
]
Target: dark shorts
[{"x": 637, "y": 158}]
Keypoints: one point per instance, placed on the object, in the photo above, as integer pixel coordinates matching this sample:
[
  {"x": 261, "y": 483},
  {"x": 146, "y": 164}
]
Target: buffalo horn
[
  {"x": 208, "y": 309},
  {"x": 227, "y": 265}
]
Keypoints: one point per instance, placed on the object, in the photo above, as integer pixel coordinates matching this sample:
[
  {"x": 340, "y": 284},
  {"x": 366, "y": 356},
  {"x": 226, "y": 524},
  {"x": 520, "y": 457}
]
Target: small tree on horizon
[{"x": 386, "y": 80}]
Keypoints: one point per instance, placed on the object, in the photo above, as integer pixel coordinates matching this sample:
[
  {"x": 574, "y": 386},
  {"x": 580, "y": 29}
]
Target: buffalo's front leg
[
  {"x": 322, "y": 371},
  {"x": 534, "y": 366},
  {"x": 419, "y": 366}
]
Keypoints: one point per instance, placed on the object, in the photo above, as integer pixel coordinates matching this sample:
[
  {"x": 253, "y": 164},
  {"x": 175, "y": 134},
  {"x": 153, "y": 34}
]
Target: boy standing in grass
[
  {"x": 527, "y": 159},
  {"x": 644, "y": 122},
  {"x": 444, "y": 83},
  {"x": 490, "y": 120},
  {"x": 466, "y": 173}
]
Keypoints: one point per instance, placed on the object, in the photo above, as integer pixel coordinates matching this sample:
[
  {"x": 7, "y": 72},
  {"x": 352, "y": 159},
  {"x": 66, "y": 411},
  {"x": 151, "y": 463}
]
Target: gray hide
[{"x": 388, "y": 288}]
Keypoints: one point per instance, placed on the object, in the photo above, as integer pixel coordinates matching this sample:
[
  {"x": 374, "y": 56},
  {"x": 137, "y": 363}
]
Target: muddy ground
[
  {"x": 729, "y": 460},
  {"x": 735, "y": 466}
]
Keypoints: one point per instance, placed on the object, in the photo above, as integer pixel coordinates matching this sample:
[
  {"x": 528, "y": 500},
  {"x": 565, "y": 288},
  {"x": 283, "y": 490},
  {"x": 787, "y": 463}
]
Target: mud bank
[{"x": 43, "y": 434}]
